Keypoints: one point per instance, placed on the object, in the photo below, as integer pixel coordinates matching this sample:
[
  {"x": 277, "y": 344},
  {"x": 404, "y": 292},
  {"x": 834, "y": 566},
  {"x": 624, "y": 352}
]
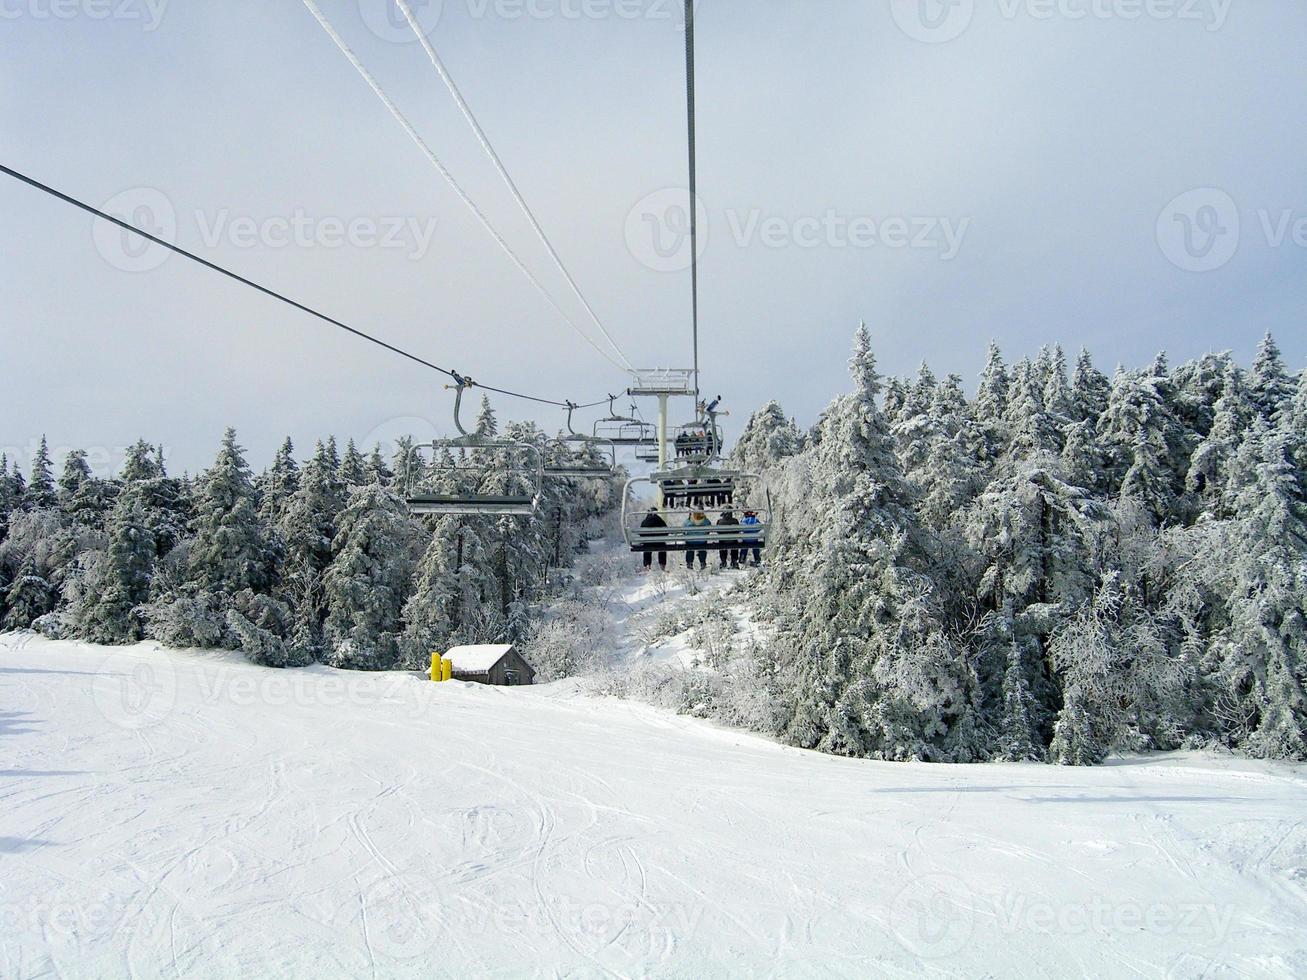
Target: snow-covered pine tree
[
  {"x": 41, "y": 492},
  {"x": 278, "y": 484},
  {"x": 1033, "y": 431},
  {"x": 487, "y": 426},
  {"x": 353, "y": 468},
  {"x": 1145, "y": 445},
  {"x": 867, "y": 667},
  {"x": 1264, "y": 567},
  {"x": 1198, "y": 386},
  {"x": 1208, "y": 474},
  {"x": 434, "y": 611},
  {"x": 367, "y": 581},
  {"x": 1057, "y": 389},
  {"x": 952, "y": 472},
  {"x": 768, "y": 438},
  {"x": 1089, "y": 389},
  {"x": 1269, "y": 383},
  {"x": 30, "y": 596},
  {"x": 140, "y": 463},
  {"x": 992, "y": 399},
  {"x": 120, "y": 582},
  {"x": 229, "y": 552},
  {"x": 378, "y": 471},
  {"x": 83, "y": 498}
]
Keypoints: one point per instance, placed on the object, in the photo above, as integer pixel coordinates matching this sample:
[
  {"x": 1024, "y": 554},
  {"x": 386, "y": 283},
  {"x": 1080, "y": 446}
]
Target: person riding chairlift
[
  {"x": 733, "y": 555},
  {"x": 654, "y": 520},
  {"x": 697, "y": 519},
  {"x": 751, "y": 520}
]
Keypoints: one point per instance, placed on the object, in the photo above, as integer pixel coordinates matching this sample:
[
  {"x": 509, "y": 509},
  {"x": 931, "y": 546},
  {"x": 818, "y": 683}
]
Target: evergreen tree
[
  {"x": 991, "y": 399},
  {"x": 1208, "y": 474},
  {"x": 353, "y": 470},
  {"x": 278, "y": 485},
  {"x": 30, "y": 596},
  {"x": 1265, "y": 568},
  {"x": 368, "y": 579},
  {"x": 1089, "y": 390},
  {"x": 869, "y": 670},
  {"x": 768, "y": 438},
  {"x": 1018, "y": 741},
  {"x": 1271, "y": 388},
  {"x": 141, "y": 463},
  {"x": 487, "y": 426},
  {"x": 378, "y": 471},
  {"x": 1057, "y": 390},
  {"x": 122, "y": 579},
  {"x": 41, "y": 491},
  {"x": 229, "y": 553}
]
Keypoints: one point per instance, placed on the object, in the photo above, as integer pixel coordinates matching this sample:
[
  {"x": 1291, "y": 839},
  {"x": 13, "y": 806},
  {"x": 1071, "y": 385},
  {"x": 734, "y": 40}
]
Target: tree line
[{"x": 305, "y": 562}]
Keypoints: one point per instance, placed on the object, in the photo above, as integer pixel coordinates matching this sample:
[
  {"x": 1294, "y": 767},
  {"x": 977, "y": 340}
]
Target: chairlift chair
[
  {"x": 525, "y": 466},
  {"x": 582, "y": 468},
  {"x": 697, "y": 443},
  {"x": 677, "y": 537}
]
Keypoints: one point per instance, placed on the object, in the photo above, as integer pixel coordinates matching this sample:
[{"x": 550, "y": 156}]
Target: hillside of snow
[{"x": 168, "y": 813}]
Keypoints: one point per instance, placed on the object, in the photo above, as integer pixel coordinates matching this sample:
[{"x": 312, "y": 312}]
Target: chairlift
[
  {"x": 582, "y": 468},
  {"x": 697, "y": 443},
  {"x": 625, "y": 430},
  {"x": 676, "y": 536},
  {"x": 525, "y": 466}
]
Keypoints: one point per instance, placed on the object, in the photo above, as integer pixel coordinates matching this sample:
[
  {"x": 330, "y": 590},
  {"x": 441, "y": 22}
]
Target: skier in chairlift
[
  {"x": 697, "y": 519},
  {"x": 732, "y": 555},
  {"x": 654, "y": 519}
]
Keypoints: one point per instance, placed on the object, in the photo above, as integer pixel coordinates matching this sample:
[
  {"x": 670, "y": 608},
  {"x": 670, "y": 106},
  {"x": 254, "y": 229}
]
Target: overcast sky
[{"x": 1017, "y": 169}]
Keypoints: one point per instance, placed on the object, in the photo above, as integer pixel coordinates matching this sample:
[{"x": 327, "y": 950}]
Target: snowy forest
[
  {"x": 301, "y": 564},
  {"x": 1064, "y": 565}
]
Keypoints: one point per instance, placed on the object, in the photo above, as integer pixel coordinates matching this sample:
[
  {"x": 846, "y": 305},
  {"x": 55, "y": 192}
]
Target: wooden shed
[{"x": 492, "y": 663}]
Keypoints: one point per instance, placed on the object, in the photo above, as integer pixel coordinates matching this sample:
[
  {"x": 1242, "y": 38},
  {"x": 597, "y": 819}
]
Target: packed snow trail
[{"x": 170, "y": 813}]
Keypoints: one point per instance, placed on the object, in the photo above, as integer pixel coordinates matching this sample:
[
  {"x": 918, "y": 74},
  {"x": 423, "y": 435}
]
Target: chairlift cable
[
  {"x": 484, "y": 140},
  {"x": 363, "y": 335},
  {"x": 449, "y": 177}
]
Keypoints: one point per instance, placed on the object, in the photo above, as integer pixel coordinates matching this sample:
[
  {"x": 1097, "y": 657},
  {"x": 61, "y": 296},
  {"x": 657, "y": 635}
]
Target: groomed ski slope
[{"x": 172, "y": 813}]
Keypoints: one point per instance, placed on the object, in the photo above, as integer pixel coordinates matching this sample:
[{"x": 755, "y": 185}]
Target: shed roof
[{"x": 479, "y": 658}]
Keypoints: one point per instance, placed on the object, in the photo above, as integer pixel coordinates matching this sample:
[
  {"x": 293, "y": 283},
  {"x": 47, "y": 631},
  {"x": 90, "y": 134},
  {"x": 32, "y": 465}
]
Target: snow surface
[{"x": 166, "y": 813}]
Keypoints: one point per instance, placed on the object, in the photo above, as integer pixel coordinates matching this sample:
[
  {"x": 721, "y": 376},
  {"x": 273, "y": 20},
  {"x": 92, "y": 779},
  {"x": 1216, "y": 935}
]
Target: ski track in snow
[{"x": 172, "y": 813}]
